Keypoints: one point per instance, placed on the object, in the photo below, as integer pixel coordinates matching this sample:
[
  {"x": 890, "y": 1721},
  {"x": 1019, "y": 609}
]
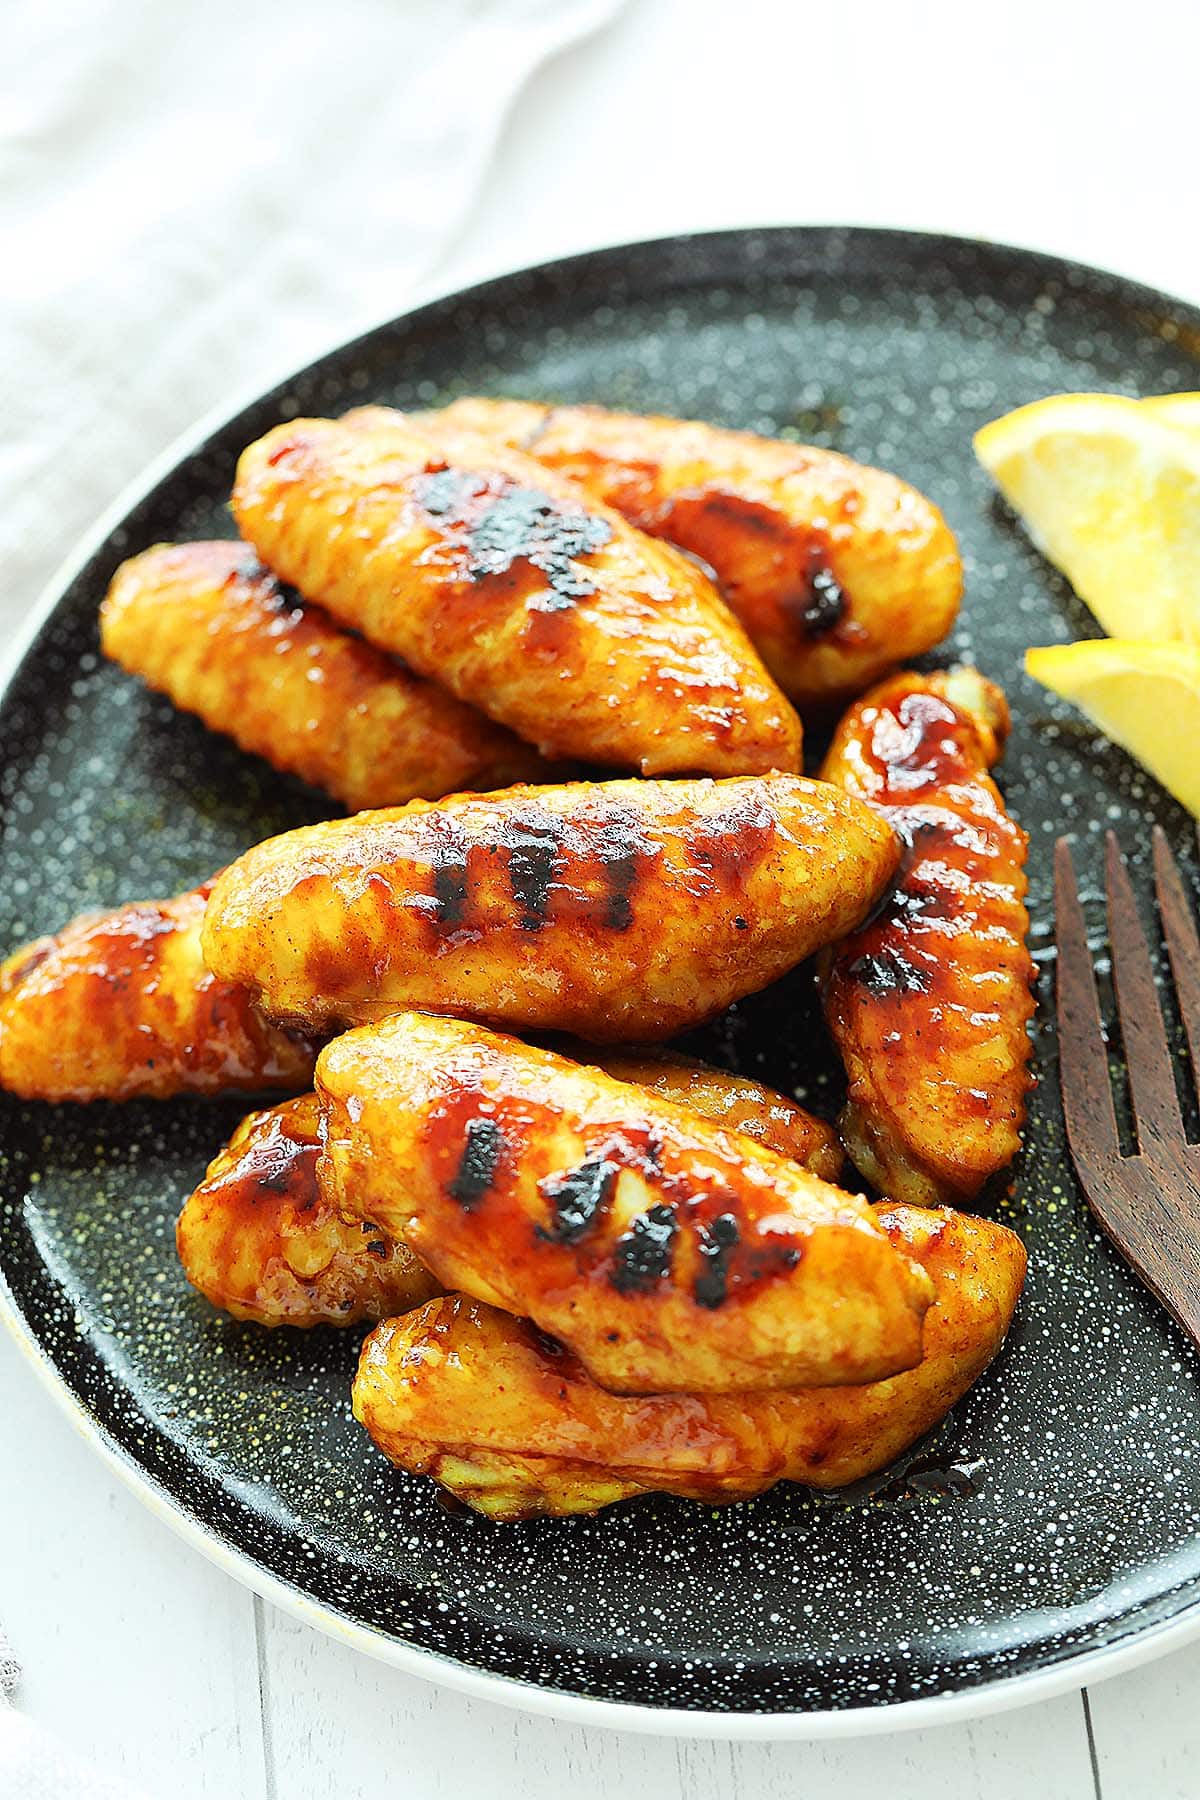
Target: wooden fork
[{"x": 1148, "y": 1204}]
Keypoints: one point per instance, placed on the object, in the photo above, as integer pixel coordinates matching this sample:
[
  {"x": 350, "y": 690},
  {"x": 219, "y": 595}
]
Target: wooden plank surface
[{"x": 135, "y": 1651}]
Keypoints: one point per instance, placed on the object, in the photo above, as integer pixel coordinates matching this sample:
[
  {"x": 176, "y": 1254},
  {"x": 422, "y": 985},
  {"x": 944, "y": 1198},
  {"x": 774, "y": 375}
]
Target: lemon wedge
[
  {"x": 1109, "y": 490},
  {"x": 1145, "y": 697},
  {"x": 1182, "y": 410}
]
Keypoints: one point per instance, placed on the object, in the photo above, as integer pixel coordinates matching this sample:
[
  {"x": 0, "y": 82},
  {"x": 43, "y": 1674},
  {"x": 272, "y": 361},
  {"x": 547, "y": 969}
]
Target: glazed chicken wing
[
  {"x": 618, "y": 911},
  {"x": 496, "y": 577},
  {"x": 668, "y": 1253},
  {"x": 930, "y": 1001},
  {"x": 207, "y": 625},
  {"x": 837, "y": 571},
  {"x": 512, "y": 1424},
  {"x": 119, "y": 1005},
  {"x": 260, "y": 1240}
]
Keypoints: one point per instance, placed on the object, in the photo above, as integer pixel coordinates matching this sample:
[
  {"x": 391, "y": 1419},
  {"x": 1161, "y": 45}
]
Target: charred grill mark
[
  {"x": 280, "y": 1167},
  {"x": 642, "y": 1255},
  {"x": 888, "y": 971},
  {"x": 621, "y": 848},
  {"x": 544, "y": 1343},
  {"x": 827, "y": 604},
  {"x": 533, "y": 842},
  {"x": 716, "y": 1243},
  {"x": 764, "y": 1264},
  {"x": 912, "y": 903},
  {"x": 449, "y": 864},
  {"x": 818, "y": 603},
  {"x": 578, "y": 1198},
  {"x": 482, "y": 1149},
  {"x": 495, "y": 523}
]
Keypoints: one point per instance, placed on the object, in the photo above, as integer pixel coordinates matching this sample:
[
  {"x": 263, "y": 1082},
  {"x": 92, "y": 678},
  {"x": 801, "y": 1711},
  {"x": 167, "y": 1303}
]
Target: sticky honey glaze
[
  {"x": 260, "y": 1239},
  {"x": 669, "y": 1253},
  {"x": 929, "y": 1000},
  {"x": 119, "y": 1005}
]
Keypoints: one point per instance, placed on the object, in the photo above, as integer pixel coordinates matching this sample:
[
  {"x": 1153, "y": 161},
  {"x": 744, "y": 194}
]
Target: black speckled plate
[{"x": 1049, "y": 1533}]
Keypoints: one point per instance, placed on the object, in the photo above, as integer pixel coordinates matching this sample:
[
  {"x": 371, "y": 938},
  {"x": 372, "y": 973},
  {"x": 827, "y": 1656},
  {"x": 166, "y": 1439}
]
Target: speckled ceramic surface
[{"x": 1057, "y": 1512}]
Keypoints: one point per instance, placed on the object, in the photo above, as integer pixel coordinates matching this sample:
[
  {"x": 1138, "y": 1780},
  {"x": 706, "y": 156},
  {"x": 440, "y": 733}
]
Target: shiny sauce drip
[{"x": 921, "y": 760}]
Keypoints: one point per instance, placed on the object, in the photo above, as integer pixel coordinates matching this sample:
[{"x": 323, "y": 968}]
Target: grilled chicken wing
[
  {"x": 837, "y": 571},
  {"x": 512, "y": 1424},
  {"x": 670, "y": 1254},
  {"x": 929, "y": 1002},
  {"x": 207, "y": 625},
  {"x": 619, "y": 910},
  {"x": 498, "y": 578},
  {"x": 119, "y": 1005},
  {"x": 260, "y": 1240}
]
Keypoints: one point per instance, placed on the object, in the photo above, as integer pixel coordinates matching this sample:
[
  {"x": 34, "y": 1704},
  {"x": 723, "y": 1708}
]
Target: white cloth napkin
[
  {"x": 196, "y": 197},
  {"x": 10, "y": 1668}
]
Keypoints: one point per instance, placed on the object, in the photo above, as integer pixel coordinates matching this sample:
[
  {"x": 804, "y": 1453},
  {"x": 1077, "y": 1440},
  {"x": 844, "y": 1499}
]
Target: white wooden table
[{"x": 1068, "y": 126}]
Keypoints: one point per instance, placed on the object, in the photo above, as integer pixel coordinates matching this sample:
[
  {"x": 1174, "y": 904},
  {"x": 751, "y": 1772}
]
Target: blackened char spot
[
  {"x": 642, "y": 1255},
  {"x": 886, "y": 971},
  {"x": 544, "y": 1343},
  {"x": 496, "y": 523},
  {"x": 716, "y": 1243},
  {"x": 912, "y": 902},
  {"x": 817, "y": 604},
  {"x": 533, "y": 841},
  {"x": 621, "y": 847},
  {"x": 477, "y": 1166},
  {"x": 577, "y": 1198},
  {"x": 449, "y": 863},
  {"x": 826, "y": 606}
]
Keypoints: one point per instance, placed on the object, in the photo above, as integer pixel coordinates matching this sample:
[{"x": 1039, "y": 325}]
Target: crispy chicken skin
[
  {"x": 734, "y": 1101},
  {"x": 513, "y": 1425},
  {"x": 837, "y": 571},
  {"x": 208, "y": 626},
  {"x": 668, "y": 1253},
  {"x": 621, "y": 911},
  {"x": 494, "y": 576},
  {"x": 260, "y": 1240},
  {"x": 119, "y": 1005},
  {"x": 930, "y": 1001}
]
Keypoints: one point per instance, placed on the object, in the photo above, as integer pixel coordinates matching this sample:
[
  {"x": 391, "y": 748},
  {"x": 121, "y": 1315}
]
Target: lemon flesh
[
  {"x": 1144, "y": 696},
  {"x": 1182, "y": 410},
  {"x": 1109, "y": 490}
]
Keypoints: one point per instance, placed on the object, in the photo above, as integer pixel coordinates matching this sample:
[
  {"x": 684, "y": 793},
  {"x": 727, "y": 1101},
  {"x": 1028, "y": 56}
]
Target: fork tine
[
  {"x": 1147, "y": 1055},
  {"x": 1183, "y": 945},
  {"x": 1086, "y": 1091}
]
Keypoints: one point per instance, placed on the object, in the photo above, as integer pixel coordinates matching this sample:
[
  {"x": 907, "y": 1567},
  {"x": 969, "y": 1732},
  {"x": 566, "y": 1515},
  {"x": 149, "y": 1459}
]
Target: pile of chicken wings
[{"x": 554, "y": 661}]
